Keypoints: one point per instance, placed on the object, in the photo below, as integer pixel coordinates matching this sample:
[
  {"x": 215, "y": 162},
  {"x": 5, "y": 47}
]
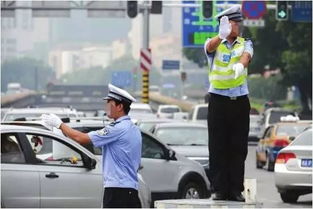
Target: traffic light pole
[{"x": 145, "y": 45}]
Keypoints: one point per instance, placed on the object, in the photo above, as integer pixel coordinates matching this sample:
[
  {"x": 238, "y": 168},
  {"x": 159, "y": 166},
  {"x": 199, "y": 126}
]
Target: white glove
[
  {"x": 225, "y": 28},
  {"x": 51, "y": 120},
  {"x": 239, "y": 69}
]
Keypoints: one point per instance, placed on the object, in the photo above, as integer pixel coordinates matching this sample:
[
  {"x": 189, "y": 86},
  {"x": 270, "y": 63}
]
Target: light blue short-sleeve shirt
[
  {"x": 232, "y": 92},
  {"x": 121, "y": 152}
]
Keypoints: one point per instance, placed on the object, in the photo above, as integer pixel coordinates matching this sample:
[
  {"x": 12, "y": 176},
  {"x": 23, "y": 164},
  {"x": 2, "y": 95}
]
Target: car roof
[
  {"x": 40, "y": 110},
  {"x": 180, "y": 124},
  {"x": 201, "y": 105},
  {"x": 140, "y": 106}
]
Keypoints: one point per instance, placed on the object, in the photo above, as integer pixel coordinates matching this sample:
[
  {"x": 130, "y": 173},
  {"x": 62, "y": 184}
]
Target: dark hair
[{"x": 126, "y": 105}]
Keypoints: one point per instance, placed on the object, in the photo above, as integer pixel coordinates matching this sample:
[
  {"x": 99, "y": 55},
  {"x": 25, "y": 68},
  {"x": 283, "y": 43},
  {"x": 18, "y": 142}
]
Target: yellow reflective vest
[{"x": 221, "y": 74}]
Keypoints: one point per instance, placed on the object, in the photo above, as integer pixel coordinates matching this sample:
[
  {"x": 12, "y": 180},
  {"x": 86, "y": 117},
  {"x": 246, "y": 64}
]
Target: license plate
[{"x": 306, "y": 163}]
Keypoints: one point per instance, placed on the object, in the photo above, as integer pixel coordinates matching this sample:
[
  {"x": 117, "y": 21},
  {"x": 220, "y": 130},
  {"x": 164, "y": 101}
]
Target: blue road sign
[
  {"x": 121, "y": 79},
  {"x": 170, "y": 65},
  {"x": 253, "y": 9},
  {"x": 301, "y": 11}
]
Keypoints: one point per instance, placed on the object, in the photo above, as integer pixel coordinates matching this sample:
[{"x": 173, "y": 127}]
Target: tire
[
  {"x": 258, "y": 163},
  {"x": 192, "y": 190},
  {"x": 289, "y": 197},
  {"x": 270, "y": 164}
]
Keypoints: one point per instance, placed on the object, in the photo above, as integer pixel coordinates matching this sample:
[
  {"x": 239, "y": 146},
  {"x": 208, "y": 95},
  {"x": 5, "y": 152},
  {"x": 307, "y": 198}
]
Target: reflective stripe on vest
[{"x": 221, "y": 75}]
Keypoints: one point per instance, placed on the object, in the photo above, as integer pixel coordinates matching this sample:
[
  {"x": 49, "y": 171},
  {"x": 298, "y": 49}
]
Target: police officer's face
[
  {"x": 112, "y": 109},
  {"x": 236, "y": 27}
]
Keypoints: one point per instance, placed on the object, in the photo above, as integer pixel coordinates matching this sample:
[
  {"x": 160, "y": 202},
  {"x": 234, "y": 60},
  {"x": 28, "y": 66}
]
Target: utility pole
[{"x": 145, "y": 46}]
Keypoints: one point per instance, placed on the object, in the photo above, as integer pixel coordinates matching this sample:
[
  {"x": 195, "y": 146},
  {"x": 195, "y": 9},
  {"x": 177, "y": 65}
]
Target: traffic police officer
[
  {"x": 121, "y": 149},
  {"x": 228, "y": 110}
]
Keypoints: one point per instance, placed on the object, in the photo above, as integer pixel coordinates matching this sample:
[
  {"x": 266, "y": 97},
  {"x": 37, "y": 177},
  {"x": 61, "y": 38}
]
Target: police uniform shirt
[
  {"x": 232, "y": 92},
  {"x": 121, "y": 152}
]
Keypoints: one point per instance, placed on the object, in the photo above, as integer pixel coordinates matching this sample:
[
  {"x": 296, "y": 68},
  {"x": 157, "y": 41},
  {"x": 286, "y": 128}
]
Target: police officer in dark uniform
[
  {"x": 228, "y": 110},
  {"x": 121, "y": 149}
]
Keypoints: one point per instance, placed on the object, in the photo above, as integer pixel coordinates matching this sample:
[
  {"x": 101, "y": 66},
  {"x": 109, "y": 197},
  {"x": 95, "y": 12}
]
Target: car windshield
[
  {"x": 304, "y": 139},
  {"x": 275, "y": 116},
  {"x": 203, "y": 113},
  {"x": 290, "y": 130},
  {"x": 170, "y": 109},
  {"x": 183, "y": 135}
]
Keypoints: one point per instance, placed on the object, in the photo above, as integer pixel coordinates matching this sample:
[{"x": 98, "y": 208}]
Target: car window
[
  {"x": 267, "y": 133},
  {"x": 50, "y": 151},
  {"x": 169, "y": 109},
  {"x": 276, "y": 115},
  {"x": 290, "y": 130},
  {"x": 202, "y": 113},
  {"x": 304, "y": 139},
  {"x": 151, "y": 149},
  {"x": 11, "y": 151},
  {"x": 90, "y": 147},
  {"x": 183, "y": 135}
]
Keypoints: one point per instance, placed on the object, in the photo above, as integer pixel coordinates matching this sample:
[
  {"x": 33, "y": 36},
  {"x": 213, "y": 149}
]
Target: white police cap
[
  {"x": 233, "y": 13},
  {"x": 119, "y": 94}
]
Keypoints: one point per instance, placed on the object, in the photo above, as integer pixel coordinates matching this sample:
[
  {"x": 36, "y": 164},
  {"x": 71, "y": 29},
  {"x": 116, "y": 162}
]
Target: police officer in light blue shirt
[{"x": 121, "y": 149}]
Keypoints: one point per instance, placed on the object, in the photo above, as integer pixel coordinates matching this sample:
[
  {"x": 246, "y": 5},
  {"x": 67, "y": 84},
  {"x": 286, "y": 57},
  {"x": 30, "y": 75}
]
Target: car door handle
[{"x": 52, "y": 175}]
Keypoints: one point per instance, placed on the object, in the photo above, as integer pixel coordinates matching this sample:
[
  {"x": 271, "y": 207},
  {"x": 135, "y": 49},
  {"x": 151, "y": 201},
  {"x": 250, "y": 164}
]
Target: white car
[
  {"x": 199, "y": 113},
  {"x": 41, "y": 169},
  {"x": 167, "y": 111},
  {"x": 293, "y": 168}
]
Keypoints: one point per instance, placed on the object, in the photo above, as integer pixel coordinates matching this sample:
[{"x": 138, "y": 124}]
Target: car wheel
[
  {"x": 289, "y": 197},
  {"x": 192, "y": 191},
  {"x": 258, "y": 163},
  {"x": 270, "y": 164}
]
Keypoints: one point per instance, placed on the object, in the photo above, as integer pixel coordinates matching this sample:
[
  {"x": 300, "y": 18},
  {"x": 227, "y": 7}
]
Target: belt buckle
[{"x": 233, "y": 98}]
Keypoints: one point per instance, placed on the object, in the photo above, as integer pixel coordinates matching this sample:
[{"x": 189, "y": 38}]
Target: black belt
[{"x": 227, "y": 97}]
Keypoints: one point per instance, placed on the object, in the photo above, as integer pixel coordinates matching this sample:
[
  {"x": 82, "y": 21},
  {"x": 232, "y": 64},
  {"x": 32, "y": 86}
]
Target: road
[{"x": 266, "y": 190}]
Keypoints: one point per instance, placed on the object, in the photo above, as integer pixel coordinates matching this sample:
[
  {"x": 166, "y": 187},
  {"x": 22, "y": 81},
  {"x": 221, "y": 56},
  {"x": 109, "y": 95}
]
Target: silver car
[
  {"x": 168, "y": 175},
  {"x": 293, "y": 168},
  {"x": 41, "y": 169}
]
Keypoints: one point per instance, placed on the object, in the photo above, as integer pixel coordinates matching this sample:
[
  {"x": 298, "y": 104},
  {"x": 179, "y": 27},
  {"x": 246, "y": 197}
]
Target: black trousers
[
  {"x": 121, "y": 198},
  {"x": 228, "y": 126}
]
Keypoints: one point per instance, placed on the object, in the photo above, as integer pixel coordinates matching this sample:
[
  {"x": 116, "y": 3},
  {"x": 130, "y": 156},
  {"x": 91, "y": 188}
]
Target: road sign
[
  {"x": 196, "y": 28},
  {"x": 301, "y": 11},
  {"x": 121, "y": 79},
  {"x": 170, "y": 65},
  {"x": 253, "y": 9}
]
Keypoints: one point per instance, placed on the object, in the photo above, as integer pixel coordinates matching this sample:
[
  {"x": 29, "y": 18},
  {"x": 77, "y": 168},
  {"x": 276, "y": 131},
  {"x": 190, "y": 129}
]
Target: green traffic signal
[{"x": 282, "y": 10}]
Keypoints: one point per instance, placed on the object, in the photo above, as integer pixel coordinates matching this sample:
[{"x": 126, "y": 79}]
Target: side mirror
[
  {"x": 89, "y": 163},
  {"x": 170, "y": 154}
]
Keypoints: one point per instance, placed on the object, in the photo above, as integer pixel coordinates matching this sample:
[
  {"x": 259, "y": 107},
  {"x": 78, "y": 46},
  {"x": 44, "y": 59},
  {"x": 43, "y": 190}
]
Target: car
[
  {"x": 20, "y": 113},
  {"x": 273, "y": 115},
  {"x": 168, "y": 174},
  {"x": 254, "y": 131},
  {"x": 188, "y": 139},
  {"x": 42, "y": 169},
  {"x": 148, "y": 124},
  {"x": 276, "y": 137},
  {"x": 167, "y": 111},
  {"x": 184, "y": 177},
  {"x": 293, "y": 168},
  {"x": 199, "y": 113}
]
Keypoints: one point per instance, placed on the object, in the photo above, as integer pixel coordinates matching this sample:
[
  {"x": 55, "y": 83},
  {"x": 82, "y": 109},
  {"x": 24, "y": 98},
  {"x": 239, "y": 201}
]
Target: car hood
[{"x": 192, "y": 151}]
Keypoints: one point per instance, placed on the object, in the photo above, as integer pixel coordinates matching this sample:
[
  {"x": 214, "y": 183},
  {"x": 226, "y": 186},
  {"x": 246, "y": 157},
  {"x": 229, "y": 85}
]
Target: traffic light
[
  {"x": 156, "y": 7},
  {"x": 132, "y": 9},
  {"x": 282, "y": 10},
  {"x": 207, "y": 9}
]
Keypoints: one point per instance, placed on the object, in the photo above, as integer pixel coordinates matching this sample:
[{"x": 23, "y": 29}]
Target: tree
[
  {"x": 297, "y": 59},
  {"x": 30, "y": 73}
]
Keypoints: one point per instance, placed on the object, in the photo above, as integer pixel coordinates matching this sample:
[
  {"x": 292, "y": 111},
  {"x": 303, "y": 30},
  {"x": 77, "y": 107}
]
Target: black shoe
[
  {"x": 219, "y": 196},
  {"x": 236, "y": 196}
]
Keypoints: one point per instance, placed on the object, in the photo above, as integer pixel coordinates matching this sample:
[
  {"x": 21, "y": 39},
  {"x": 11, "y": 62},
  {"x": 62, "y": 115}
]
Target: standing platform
[{"x": 203, "y": 203}]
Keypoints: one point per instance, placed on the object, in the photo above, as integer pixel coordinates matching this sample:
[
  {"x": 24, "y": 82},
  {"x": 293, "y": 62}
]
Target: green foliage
[
  {"x": 25, "y": 71},
  {"x": 267, "y": 89}
]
